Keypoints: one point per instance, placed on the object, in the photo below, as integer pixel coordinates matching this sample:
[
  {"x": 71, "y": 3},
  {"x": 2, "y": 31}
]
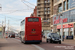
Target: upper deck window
[{"x": 33, "y": 19}]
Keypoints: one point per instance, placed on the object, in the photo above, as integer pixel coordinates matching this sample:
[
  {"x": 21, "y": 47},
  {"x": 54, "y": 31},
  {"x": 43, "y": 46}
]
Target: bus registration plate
[{"x": 33, "y": 32}]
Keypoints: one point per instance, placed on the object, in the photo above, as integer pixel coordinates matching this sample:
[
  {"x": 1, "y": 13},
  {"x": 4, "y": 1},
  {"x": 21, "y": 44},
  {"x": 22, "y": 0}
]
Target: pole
[
  {"x": 62, "y": 23},
  {"x": 5, "y": 26},
  {"x": 8, "y": 27},
  {"x": 2, "y": 29},
  {"x": 5, "y": 21}
]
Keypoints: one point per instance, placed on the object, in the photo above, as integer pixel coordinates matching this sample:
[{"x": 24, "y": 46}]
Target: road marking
[
  {"x": 34, "y": 45},
  {"x": 16, "y": 39},
  {"x": 68, "y": 44},
  {"x": 37, "y": 47}
]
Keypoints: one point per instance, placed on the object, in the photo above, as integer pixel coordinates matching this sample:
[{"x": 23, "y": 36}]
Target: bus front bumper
[{"x": 33, "y": 41}]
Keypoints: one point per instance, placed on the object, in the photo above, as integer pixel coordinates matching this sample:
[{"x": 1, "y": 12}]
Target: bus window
[{"x": 33, "y": 19}]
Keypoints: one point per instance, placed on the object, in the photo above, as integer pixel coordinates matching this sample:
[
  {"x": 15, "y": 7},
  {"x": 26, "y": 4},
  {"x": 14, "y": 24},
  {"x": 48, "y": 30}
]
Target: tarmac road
[{"x": 15, "y": 44}]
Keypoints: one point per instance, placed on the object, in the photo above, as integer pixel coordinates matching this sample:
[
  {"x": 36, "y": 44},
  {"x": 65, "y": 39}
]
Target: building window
[
  {"x": 48, "y": 8},
  {"x": 45, "y": 8},
  {"x": 39, "y": 15},
  {"x": 68, "y": 5},
  {"x": 65, "y": 5},
  {"x": 44, "y": 15},
  {"x": 48, "y": 4},
  {"x": 48, "y": 12},
  {"x": 38, "y": 0},
  {"x": 48, "y": 18},
  {"x": 55, "y": 1},
  {"x": 48, "y": 0},
  {"x": 45, "y": 1},
  {"x": 45, "y": 12},
  {"x": 38, "y": 8},
  {"x": 38, "y": 11},
  {"x": 48, "y": 15},
  {"x": 45, "y": 4},
  {"x": 60, "y": 8},
  {"x": 39, "y": 4},
  {"x": 44, "y": 18}
]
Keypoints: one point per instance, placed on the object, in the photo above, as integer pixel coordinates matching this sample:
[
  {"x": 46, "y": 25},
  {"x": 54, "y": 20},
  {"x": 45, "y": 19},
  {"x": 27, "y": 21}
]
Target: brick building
[
  {"x": 34, "y": 14},
  {"x": 44, "y": 11}
]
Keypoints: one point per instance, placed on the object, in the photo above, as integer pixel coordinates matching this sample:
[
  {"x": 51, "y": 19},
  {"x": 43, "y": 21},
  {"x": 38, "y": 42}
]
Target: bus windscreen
[{"x": 33, "y": 19}]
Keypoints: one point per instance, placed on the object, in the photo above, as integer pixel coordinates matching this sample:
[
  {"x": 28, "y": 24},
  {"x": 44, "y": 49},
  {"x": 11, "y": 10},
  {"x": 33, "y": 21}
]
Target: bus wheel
[{"x": 24, "y": 42}]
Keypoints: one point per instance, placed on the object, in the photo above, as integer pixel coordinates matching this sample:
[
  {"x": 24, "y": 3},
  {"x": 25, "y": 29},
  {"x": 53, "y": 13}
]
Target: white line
[
  {"x": 68, "y": 44},
  {"x": 37, "y": 47}
]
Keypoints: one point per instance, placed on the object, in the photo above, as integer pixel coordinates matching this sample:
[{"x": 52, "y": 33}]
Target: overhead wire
[
  {"x": 18, "y": 10},
  {"x": 11, "y": 18},
  {"x": 23, "y": 9},
  {"x": 29, "y": 2},
  {"x": 26, "y": 4}
]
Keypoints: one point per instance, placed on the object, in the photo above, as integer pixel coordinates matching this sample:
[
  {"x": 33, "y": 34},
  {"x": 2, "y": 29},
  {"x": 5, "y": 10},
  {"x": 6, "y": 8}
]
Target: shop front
[
  {"x": 0, "y": 32},
  {"x": 68, "y": 30}
]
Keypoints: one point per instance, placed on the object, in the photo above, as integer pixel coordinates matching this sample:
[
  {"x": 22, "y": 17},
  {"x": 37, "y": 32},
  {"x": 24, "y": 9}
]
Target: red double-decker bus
[{"x": 31, "y": 30}]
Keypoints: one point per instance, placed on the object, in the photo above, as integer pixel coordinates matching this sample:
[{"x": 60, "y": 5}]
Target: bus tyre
[
  {"x": 24, "y": 42},
  {"x": 47, "y": 40}
]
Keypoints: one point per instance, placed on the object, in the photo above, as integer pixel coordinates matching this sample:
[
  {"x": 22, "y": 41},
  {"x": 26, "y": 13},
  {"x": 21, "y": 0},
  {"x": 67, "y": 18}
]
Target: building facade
[
  {"x": 0, "y": 26},
  {"x": 2, "y": 31},
  {"x": 43, "y": 11},
  {"x": 34, "y": 14},
  {"x": 67, "y": 14}
]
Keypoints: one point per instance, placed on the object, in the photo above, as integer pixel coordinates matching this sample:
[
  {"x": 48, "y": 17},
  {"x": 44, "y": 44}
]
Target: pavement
[
  {"x": 69, "y": 42},
  {"x": 2, "y": 41}
]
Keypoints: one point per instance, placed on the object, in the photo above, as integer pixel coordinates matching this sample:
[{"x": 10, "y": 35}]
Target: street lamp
[
  {"x": 0, "y": 7},
  {"x": 62, "y": 23}
]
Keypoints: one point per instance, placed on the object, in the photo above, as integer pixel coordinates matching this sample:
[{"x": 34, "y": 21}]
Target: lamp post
[
  {"x": 2, "y": 30},
  {"x": 62, "y": 23}
]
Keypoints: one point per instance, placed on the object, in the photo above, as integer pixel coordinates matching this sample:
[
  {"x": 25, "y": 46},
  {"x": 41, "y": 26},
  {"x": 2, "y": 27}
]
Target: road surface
[{"x": 15, "y": 44}]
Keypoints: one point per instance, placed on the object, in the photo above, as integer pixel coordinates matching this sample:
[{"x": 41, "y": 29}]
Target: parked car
[
  {"x": 53, "y": 37},
  {"x": 12, "y": 35}
]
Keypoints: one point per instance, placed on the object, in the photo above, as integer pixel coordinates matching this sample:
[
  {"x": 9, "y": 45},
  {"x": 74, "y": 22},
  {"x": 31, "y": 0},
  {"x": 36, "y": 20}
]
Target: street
[
  {"x": 15, "y": 44},
  {"x": 45, "y": 21}
]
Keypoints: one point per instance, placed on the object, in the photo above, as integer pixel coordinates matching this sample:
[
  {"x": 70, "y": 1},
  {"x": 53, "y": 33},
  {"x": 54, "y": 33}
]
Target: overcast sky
[{"x": 16, "y": 10}]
